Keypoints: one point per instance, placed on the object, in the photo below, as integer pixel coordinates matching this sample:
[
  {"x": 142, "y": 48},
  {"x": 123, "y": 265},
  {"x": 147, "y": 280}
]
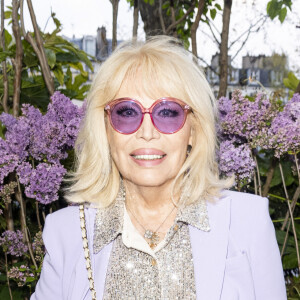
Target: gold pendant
[{"x": 153, "y": 237}]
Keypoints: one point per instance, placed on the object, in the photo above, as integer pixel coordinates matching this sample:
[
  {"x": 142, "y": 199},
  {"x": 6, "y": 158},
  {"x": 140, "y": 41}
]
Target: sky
[{"x": 84, "y": 17}]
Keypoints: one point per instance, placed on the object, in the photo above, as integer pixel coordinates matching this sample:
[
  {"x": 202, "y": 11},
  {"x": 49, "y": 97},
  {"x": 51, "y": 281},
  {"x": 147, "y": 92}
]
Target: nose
[{"x": 147, "y": 131}]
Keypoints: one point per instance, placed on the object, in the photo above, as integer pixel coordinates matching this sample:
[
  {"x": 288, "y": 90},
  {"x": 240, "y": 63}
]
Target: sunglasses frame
[{"x": 110, "y": 106}]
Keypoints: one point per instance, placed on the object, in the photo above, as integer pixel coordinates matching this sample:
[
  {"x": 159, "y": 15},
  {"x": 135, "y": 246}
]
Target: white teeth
[{"x": 148, "y": 157}]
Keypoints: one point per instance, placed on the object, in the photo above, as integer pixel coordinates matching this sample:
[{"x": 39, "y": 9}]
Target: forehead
[
  {"x": 143, "y": 97},
  {"x": 147, "y": 88}
]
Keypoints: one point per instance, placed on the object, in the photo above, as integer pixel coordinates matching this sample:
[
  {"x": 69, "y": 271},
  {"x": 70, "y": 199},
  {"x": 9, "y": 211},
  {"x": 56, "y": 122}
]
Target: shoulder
[
  {"x": 68, "y": 216},
  {"x": 244, "y": 212},
  {"x": 64, "y": 225},
  {"x": 246, "y": 206},
  {"x": 248, "y": 216}
]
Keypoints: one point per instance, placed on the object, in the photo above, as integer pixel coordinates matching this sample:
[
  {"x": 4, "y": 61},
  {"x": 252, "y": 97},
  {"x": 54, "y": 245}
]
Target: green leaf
[
  {"x": 218, "y": 6},
  {"x": 59, "y": 74},
  {"x": 291, "y": 82},
  {"x": 4, "y": 55},
  {"x": 282, "y": 14},
  {"x": 8, "y": 38},
  {"x": 290, "y": 261},
  {"x": 272, "y": 9},
  {"x": 51, "y": 57},
  {"x": 67, "y": 57},
  {"x": 288, "y": 176},
  {"x": 7, "y": 14},
  {"x": 213, "y": 13}
]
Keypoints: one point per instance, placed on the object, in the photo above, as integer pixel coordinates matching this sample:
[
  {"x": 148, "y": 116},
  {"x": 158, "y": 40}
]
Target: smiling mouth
[{"x": 148, "y": 156}]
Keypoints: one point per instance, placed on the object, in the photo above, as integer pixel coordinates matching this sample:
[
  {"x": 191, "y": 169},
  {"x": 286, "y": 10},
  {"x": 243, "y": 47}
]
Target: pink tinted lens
[
  {"x": 126, "y": 116},
  {"x": 168, "y": 116}
]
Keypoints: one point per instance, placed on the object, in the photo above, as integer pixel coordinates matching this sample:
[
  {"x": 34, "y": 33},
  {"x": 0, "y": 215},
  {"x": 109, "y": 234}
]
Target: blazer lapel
[{"x": 210, "y": 250}]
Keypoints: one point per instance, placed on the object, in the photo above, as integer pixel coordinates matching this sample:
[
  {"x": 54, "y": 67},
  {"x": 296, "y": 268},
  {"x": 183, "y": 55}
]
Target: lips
[
  {"x": 147, "y": 157},
  {"x": 147, "y": 151}
]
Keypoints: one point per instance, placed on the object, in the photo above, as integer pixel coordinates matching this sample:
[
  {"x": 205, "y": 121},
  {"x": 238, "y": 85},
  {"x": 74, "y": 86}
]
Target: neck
[
  {"x": 150, "y": 208},
  {"x": 155, "y": 199}
]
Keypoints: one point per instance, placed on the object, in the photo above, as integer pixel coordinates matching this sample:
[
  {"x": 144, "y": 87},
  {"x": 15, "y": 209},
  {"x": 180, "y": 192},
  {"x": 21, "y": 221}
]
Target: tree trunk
[
  {"x": 38, "y": 48},
  {"x": 224, "y": 48},
  {"x": 115, "y": 4},
  {"x": 135, "y": 18},
  {"x": 201, "y": 5},
  {"x": 4, "y": 70},
  {"x": 17, "y": 61},
  {"x": 155, "y": 25},
  {"x": 9, "y": 217},
  {"x": 150, "y": 16}
]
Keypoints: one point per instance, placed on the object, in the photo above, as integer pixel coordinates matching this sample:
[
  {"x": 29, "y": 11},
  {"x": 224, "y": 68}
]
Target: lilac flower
[
  {"x": 20, "y": 274},
  {"x": 17, "y": 137},
  {"x": 8, "y": 120},
  {"x": 44, "y": 182},
  {"x": 7, "y": 190},
  {"x": 235, "y": 160},
  {"x": 38, "y": 247},
  {"x": 8, "y": 163},
  {"x": 246, "y": 119},
  {"x": 24, "y": 172},
  {"x": 285, "y": 128},
  {"x": 12, "y": 243},
  {"x": 41, "y": 140}
]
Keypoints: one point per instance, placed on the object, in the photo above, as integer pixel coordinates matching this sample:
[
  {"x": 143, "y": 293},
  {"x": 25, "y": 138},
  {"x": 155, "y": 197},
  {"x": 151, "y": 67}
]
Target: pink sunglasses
[{"x": 168, "y": 114}]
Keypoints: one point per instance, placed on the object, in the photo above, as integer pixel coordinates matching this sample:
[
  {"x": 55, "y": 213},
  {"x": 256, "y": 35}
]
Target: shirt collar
[
  {"x": 195, "y": 215},
  {"x": 109, "y": 221}
]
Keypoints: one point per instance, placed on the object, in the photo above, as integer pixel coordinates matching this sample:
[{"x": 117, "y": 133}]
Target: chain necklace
[{"x": 151, "y": 236}]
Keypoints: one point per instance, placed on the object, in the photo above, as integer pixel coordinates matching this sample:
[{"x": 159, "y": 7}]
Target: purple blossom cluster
[
  {"x": 285, "y": 128},
  {"x": 35, "y": 144},
  {"x": 20, "y": 274},
  {"x": 38, "y": 247},
  {"x": 246, "y": 124},
  {"x": 12, "y": 243},
  {"x": 245, "y": 119},
  {"x": 236, "y": 160},
  {"x": 43, "y": 182}
]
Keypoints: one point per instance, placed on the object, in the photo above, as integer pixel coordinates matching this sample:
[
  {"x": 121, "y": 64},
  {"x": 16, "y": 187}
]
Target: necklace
[{"x": 151, "y": 236}]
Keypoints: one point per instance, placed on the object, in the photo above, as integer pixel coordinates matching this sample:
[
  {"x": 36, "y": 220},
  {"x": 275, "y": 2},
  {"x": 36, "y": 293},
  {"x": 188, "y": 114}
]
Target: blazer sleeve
[
  {"x": 49, "y": 286},
  {"x": 265, "y": 257}
]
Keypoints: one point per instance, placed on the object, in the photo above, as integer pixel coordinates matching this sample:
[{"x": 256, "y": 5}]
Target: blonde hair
[{"x": 159, "y": 66}]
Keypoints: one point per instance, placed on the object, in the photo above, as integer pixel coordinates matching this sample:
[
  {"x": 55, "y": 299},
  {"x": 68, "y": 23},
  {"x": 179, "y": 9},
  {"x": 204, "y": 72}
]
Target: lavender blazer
[{"x": 238, "y": 259}]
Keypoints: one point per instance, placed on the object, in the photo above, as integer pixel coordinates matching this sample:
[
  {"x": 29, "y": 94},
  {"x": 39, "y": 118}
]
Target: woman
[{"x": 157, "y": 220}]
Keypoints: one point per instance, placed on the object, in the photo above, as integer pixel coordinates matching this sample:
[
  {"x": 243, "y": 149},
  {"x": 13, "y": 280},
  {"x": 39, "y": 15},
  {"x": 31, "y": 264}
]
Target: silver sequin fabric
[{"x": 167, "y": 274}]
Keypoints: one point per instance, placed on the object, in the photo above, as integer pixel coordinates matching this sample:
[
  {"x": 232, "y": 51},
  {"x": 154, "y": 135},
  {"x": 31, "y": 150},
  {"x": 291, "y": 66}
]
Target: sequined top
[{"x": 135, "y": 271}]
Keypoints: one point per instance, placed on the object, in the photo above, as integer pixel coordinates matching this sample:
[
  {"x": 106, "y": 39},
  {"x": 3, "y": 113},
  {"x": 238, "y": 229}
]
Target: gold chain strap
[{"x": 86, "y": 251}]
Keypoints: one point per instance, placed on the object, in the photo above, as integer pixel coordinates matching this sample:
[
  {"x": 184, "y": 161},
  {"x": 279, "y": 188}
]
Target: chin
[{"x": 150, "y": 179}]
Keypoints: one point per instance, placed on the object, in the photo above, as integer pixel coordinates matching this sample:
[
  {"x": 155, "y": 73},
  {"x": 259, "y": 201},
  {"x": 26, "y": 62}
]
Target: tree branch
[
  {"x": 5, "y": 79},
  {"x": 291, "y": 215},
  {"x": 263, "y": 18},
  {"x": 194, "y": 27},
  {"x": 21, "y": 201},
  {"x": 18, "y": 60},
  {"x": 269, "y": 178},
  {"x": 161, "y": 19},
  {"x": 246, "y": 39},
  {"x": 38, "y": 47},
  {"x": 211, "y": 30},
  {"x": 135, "y": 19},
  {"x": 224, "y": 48},
  {"x": 173, "y": 25}
]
